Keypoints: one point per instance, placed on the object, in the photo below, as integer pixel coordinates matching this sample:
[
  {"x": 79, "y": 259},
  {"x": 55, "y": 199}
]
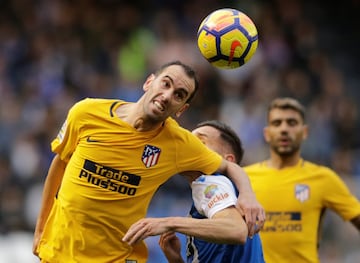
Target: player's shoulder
[
  {"x": 93, "y": 105},
  {"x": 86, "y": 102},
  {"x": 176, "y": 132},
  {"x": 173, "y": 125},
  {"x": 316, "y": 168}
]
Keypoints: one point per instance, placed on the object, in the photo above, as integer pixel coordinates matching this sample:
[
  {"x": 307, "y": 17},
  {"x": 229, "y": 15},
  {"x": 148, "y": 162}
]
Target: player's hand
[
  {"x": 36, "y": 241},
  {"x": 144, "y": 228},
  {"x": 252, "y": 211},
  {"x": 171, "y": 247}
]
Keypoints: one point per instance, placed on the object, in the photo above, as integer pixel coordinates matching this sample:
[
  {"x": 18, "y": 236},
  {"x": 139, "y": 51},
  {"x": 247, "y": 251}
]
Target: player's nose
[{"x": 166, "y": 95}]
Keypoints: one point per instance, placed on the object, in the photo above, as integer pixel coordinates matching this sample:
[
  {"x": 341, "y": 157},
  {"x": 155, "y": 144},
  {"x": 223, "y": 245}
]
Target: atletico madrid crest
[
  {"x": 302, "y": 192},
  {"x": 150, "y": 155}
]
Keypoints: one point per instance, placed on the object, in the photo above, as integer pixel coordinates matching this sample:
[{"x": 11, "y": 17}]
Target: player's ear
[
  {"x": 182, "y": 109},
  {"x": 305, "y": 131},
  {"x": 148, "y": 81},
  {"x": 230, "y": 157},
  {"x": 266, "y": 134}
]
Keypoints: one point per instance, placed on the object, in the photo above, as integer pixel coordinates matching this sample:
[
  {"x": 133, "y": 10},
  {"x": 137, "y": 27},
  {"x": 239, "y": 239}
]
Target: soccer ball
[{"x": 227, "y": 38}]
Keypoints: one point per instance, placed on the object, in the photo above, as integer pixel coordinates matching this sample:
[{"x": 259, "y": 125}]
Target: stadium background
[{"x": 53, "y": 53}]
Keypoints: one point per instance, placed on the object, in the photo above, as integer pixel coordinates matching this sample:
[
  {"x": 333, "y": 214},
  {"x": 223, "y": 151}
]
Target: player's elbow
[
  {"x": 237, "y": 235},
  {"x": 240, "y": 230},
  {"x": 234, "y": 229},
  {"x": 240, "y": 235}
]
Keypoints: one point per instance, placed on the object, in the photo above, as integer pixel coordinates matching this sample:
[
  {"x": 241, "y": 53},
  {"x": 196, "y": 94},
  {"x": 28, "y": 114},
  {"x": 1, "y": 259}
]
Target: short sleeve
[
  {"x": 339, "y": 198},
  {"x": 68, "y": 137},
  {"x": 193, "y": 155},
  {"x": 212, "y": 194}
]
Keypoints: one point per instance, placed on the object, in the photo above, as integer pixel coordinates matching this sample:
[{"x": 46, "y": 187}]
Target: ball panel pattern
[{"x": 227, "y": 38}]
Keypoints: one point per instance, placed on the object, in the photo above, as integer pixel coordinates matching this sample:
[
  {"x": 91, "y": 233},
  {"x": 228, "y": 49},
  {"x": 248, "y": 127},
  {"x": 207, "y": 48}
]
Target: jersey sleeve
[
  {"x": 339, "y": 197},
  {"x": 212, "y": 194},
  {"x": 67, "y": 138},
  {"x": 193, "y": 155}
]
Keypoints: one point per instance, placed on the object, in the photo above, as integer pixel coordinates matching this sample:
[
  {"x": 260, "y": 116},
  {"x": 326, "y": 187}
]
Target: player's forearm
[
  {"x": 249, "y": 207},
  {"x": 51, "y": 186},
  {"x": 222, "y": 230},
  {"x": 239, "y": 178},
  {"x": 226, "y": 226}
]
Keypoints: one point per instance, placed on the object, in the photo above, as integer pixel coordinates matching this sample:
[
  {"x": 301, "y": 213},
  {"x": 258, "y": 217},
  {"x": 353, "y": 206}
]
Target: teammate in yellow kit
[
  {"x": 293, "y": 191},
  {"x": 111, "y": 156}
]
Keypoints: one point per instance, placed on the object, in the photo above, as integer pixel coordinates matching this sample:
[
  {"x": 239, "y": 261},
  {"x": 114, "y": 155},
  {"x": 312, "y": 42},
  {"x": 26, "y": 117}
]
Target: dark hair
[
  {"x": 228, "y": 135},
  {"x": 190, "y": 72},
  {"x": 287, "y": 103}
]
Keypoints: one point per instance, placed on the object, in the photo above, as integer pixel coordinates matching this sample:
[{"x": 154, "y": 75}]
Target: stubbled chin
[
  {"x": 156, "y": 111},
  {"x": 157, "y": 114}
]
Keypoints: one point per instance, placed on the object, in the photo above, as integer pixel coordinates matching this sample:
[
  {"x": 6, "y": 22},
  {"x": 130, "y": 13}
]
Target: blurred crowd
[{"x": 54, "y": 53}]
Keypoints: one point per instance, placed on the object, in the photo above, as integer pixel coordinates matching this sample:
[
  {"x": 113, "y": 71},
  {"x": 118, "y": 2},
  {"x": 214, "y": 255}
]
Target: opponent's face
[
  {"x": 211, "y": 138},
  {"x": 166, "y": 94},
  {"x": 285, "y": 131}
]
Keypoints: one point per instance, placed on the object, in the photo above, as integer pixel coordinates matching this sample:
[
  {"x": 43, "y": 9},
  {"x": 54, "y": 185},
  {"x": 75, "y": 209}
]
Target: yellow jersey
[
  {"x": 112, "y": 173},
  {"x": 295, "y": 199}
]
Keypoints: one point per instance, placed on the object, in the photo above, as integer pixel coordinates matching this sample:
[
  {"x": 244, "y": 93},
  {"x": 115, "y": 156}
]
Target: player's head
[
  {"x": 221, "y": 138},
  {"x": 286, "y": 128},
  {"x": 190, "y": 72},
  {"x": 168, "y": 91}
]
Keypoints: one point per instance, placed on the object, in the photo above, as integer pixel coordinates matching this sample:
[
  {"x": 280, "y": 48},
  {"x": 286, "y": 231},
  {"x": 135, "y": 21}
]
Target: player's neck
[
  {"x": 129, "y": 113},
  {"x": 281, "y": 162}
]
